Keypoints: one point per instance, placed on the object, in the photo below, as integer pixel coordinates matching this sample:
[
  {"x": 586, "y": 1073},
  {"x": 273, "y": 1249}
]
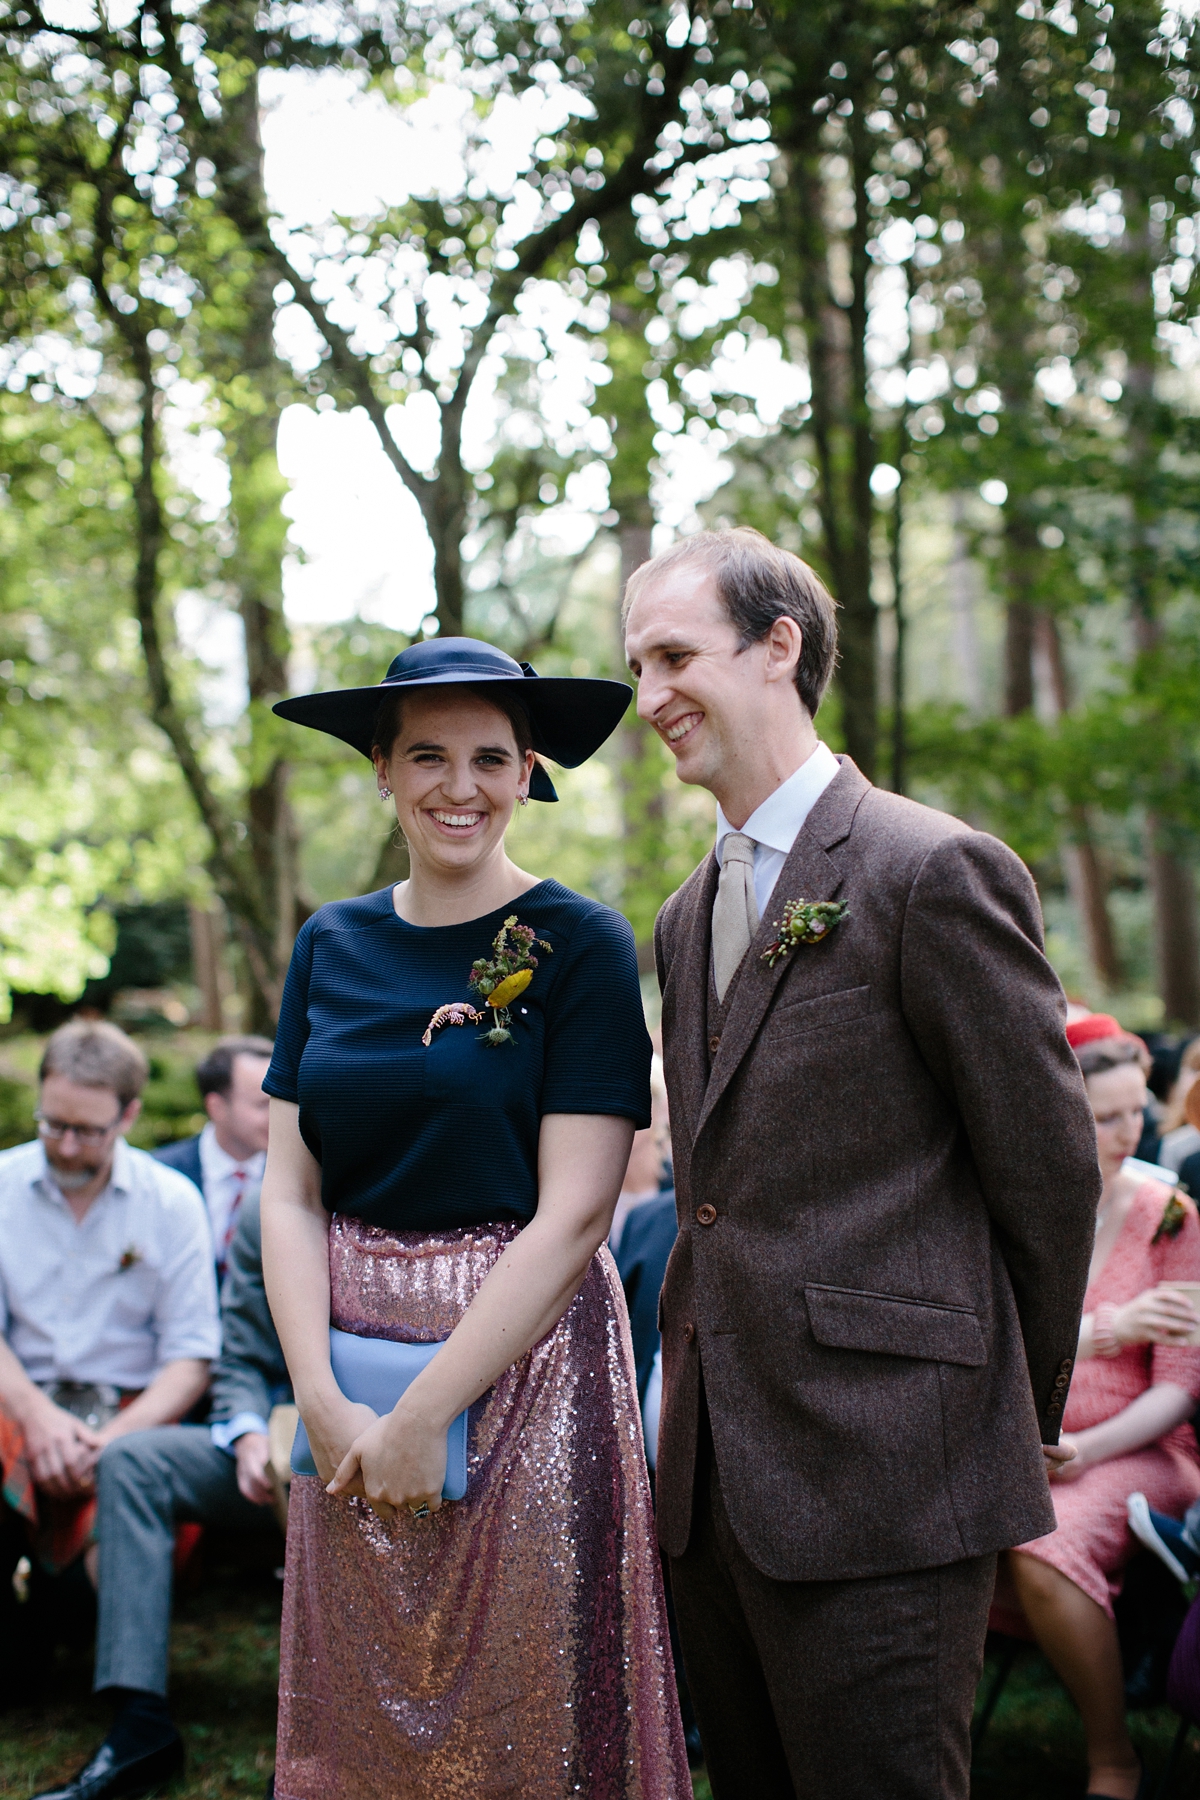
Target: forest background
[{"x": 323, "y": 327}]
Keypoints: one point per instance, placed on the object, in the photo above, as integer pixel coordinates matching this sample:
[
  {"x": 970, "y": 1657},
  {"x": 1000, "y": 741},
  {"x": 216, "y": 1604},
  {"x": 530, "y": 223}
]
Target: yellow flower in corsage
[
  {"x": 499, "y": 980},
  {"x": 804, "y": 922}
]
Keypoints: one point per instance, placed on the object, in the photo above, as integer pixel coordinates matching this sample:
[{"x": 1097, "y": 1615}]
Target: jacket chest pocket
[{"x": 792, "y": 1018}]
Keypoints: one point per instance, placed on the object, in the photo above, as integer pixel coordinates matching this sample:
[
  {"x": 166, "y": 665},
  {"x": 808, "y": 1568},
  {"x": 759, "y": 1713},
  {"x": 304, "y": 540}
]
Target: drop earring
[
  {"x": 522, "y": 799},
  {"x": 385, "y": 793}
]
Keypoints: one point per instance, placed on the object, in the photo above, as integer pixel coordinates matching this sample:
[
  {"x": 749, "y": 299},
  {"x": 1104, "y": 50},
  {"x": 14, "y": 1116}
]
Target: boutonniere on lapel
[
  {"x": 498, "y": 979},
  {"x": 804, "y": 922},
  {"x": 1174, "y": 1213},
  {"x": 130, "y": 1258}
]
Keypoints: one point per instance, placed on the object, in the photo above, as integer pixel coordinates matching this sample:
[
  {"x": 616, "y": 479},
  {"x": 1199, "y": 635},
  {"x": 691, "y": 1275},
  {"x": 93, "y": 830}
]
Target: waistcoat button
[
  {"x": 714, "y": 1043},
  {"x": 706, "y": 1215},
  {"x": 689, "y": 1332}
]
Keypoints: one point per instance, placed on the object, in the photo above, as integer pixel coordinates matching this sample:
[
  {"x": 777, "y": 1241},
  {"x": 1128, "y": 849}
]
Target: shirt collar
[
  {"x": 120, "y": 1178},
  {"x": 217, "y": 1162},
  {"x": 776, "y": 824}
]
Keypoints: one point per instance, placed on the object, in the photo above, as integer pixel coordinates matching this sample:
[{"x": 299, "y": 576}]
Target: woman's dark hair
[
  {"x": 214, "y": 1075},
  {"x": 386, "y": 728},
  {"x": 1110, "y": 1053}
]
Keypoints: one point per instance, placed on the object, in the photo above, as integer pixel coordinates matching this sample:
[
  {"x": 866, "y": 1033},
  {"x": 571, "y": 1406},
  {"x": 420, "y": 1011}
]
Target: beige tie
[{"x": 735, "y": 910}]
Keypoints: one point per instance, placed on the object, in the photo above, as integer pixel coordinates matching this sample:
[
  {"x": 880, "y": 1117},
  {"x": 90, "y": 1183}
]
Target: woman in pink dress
[{"x": 1134, "y": 1390}]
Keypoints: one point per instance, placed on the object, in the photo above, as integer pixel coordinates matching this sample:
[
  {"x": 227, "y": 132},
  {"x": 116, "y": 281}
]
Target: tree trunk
[
  {"x": 204, "y": 928},
  {"x": 250, "y": 421},
  {"x": 835, "y": 333},
  {"x": 1172, "y": 883},
  {"x": 643, "y": 802},
  {"x": 1021, "y": 549},
  {"x": 1177, "y": 942},
  {"x": 1081, "y": 862},
  {"x": 899, "y": 618}
]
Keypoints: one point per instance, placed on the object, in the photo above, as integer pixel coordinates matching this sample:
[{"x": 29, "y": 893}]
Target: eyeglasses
[{"x": 86, "y": 1134}]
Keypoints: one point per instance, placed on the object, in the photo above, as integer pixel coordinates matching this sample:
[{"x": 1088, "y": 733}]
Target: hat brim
[{"x": 570, "y": 717}]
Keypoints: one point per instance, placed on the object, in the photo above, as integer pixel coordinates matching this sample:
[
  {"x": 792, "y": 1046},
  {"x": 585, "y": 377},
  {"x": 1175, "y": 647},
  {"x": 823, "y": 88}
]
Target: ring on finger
[{"x": 420, "y": 1512}]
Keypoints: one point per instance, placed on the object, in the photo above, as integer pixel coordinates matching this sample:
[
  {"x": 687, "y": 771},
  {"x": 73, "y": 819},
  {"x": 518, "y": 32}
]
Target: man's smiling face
[{"x": 698, "y": 688}]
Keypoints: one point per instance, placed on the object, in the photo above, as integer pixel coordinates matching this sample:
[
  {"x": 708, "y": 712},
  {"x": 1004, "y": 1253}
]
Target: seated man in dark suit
[
  {"x": 226, "y": 1160},
  {"x": 646, "y": 1241},
  {"x": 148, "y": 1482}
]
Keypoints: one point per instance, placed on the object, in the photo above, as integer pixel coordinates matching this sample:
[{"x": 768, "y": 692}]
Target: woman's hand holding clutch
[
  {"x": 333, "y": 1429},
  {"x": 398, "y": 1461}
]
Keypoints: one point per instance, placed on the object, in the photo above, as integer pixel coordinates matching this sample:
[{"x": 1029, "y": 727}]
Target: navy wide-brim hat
[{"x": 569, "y": 716}]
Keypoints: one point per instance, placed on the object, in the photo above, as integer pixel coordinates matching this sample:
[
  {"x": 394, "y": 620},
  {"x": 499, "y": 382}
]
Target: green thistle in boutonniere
[
  {"x": 804, "y": 922},
  {"x": 498, "y": 980},
  {"x": 1174, "y": 1213}
]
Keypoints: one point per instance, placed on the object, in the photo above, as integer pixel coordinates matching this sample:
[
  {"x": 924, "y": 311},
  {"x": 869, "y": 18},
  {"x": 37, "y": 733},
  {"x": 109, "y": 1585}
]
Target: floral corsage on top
[
  {"x": 804, "y": 922},
  {"x": 1174, "y": 1213},
  {"x": 499, "y": 980}
]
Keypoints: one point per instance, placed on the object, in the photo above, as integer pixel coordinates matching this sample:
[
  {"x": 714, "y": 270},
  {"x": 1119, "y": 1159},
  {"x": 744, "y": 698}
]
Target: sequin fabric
[{"x": 514, "y": 1645}]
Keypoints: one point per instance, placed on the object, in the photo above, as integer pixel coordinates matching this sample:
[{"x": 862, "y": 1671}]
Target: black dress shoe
[{"x": 108, "y": 1777}]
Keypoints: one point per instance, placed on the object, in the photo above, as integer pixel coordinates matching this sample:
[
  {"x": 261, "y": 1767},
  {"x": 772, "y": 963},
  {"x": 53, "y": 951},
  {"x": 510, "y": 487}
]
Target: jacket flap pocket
[
  {"x": 846, "y": 1319},
  {"x": 821, "y": 1009}
]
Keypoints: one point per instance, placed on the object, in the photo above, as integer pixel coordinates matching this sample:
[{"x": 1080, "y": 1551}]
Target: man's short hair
[
  {"x": 215, "y": 1074},
  {"x": 96, "y": 1054},
  {"x": 758, "y": 584}
]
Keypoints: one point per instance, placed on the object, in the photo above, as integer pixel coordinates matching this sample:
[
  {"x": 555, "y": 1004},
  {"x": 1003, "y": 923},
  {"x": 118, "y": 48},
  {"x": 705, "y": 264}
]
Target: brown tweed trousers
[{"x": 886, "y": 1174}]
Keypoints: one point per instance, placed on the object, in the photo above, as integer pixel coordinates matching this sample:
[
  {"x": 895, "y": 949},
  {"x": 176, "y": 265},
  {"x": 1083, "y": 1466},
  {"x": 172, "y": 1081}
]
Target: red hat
[{"x": 1092, "y": 1029}]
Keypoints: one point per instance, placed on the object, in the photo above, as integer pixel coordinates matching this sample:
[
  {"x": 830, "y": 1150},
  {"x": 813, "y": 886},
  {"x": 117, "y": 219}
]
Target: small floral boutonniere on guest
[
  {"x": 1174, "y": 1213},
  {"x": 130, "y": 1257},
  {"x": 499, "y": 980},
  {"x": 804, "y": 922}
]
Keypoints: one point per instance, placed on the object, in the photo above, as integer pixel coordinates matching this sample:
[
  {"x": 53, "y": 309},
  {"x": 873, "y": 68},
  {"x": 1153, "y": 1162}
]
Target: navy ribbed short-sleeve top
[{"x": 416, "y": 1138}]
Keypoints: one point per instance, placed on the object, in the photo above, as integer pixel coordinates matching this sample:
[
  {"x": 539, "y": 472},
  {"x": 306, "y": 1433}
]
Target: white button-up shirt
[
  {"x": 226, "y": 1182},
  {"x": 775, "y": 825},
  {"x": 112, "y": 1299}
]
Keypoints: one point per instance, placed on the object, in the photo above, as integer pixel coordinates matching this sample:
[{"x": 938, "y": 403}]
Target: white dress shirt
[
  {"x": 225, "y": 1183},
  {"x": 114, "y": 1298},
  {"x": 775, "y": 825}
]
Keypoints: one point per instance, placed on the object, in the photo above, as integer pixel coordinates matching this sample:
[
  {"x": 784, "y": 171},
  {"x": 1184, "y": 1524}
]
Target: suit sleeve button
[
  {"x": 706, "y": 1215},
  {"x": 689, "y": 1332}
]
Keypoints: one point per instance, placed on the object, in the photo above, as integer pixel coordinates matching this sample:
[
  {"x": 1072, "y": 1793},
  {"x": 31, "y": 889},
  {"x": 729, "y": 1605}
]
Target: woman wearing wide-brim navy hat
[
  {"x": 569, "y": 717},
  {"x": 460, "y": 1065}
]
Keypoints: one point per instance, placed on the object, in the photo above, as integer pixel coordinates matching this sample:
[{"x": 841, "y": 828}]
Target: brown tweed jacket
[{"x": 886, "y": 1174}]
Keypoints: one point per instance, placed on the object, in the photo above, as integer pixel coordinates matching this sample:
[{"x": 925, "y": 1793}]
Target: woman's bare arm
[
  {"x": 1159, "y": 1410},
  {"x": 401, "y": 1460},
  {"x": 295, "y": 1245},
  {"x": 1158, "y": 1315}
]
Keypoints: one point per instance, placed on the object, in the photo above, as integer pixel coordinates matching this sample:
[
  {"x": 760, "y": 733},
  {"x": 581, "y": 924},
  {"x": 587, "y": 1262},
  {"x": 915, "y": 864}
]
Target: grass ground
[{"x": 224, "y": 1670}]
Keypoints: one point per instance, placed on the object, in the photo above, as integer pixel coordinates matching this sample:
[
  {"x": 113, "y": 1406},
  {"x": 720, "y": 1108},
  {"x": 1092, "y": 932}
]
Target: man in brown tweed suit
[{"x": 887, "y": 1183}]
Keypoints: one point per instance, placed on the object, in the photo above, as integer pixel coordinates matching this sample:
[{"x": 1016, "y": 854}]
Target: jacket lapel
[
  {"x": 689, "y": 969},
  {"x": 809, "y": 873}
]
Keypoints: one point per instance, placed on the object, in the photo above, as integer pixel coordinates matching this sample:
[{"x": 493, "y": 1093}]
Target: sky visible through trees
[{"x": 324, "y": 327}]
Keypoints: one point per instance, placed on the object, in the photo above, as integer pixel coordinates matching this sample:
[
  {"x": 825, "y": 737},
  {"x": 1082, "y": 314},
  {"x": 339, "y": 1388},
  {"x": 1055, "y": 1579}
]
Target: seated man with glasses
[{"x": 108, "y": 1310}]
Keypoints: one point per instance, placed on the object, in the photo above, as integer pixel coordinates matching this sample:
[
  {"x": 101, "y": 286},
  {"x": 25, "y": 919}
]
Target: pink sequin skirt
[{"x": 513, "y": 1646}]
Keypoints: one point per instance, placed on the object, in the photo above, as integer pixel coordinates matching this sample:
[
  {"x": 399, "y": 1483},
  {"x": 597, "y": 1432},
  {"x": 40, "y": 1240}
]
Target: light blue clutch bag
[{"x": 375, "y": 1372}]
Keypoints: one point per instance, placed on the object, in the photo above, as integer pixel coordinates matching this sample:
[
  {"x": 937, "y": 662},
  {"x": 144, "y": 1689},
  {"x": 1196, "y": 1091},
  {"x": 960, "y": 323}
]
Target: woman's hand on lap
[
  {"x": 1073, "y": 1467},
  {"x": 398, "y": 1461}
]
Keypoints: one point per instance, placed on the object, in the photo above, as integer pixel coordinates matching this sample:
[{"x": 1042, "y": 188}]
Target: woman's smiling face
[{"x": 456, "y": 774}]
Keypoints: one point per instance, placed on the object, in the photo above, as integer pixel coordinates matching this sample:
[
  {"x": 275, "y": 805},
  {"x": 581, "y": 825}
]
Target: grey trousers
[
  {"x": 146, "y": 1483},
  {"x": 828, "y": 1690}
]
